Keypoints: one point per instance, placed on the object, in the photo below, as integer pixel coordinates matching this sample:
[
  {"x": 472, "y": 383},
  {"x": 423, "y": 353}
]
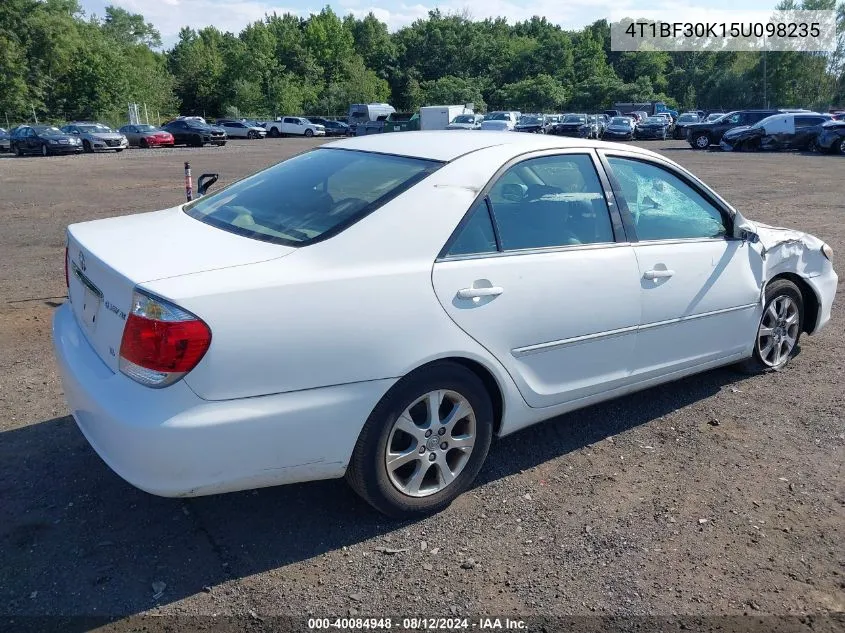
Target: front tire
[
  {"x": 143, "y": 144},
  {"x": 779, "y": 329},
  {"x": 701, "y": 141},
  {"x": 250, "y": 135},
  {"x": 309, "y": 133},
  {"x": 274, "y": 132},
  {"x": 840, "y": 146},
  {"x": 17, "y": 150},
  {"x": 424, "y": 443},
  {"x": 45, "y": 151},
  {"x": 86, "y": 145}
]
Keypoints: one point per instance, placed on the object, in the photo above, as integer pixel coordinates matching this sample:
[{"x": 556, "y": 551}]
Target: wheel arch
[
  {"x": 484, "y": 374},
  {"x": 809, "y": 298}
]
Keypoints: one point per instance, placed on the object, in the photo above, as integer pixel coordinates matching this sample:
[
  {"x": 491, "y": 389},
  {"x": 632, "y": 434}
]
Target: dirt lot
[{"x": 718, "y": 494}]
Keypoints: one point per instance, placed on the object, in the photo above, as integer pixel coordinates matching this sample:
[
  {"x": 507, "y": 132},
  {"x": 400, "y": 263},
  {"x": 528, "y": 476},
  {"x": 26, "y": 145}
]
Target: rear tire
[
  {"x": 701, "y": 141},
  {"x": 812, "y": 146},
  {"x": 427, "y": 481},
  {"x": 779, "y": 330},
  {"x": 840, "y": 146}
]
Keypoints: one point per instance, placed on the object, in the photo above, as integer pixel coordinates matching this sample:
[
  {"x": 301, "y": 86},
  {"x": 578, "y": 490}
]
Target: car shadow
[{"x": 76, "y": 539}]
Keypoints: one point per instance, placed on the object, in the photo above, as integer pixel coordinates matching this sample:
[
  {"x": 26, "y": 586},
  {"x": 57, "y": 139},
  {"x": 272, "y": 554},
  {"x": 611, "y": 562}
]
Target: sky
[{"x": 232, "y": 15}]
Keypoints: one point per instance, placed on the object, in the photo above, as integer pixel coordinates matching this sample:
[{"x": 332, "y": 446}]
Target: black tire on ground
[
  {"x": 812, "y": 146},
  {"x": 143, "y": 144},
  {"x": 86, "y": 145},
  {"x": 44, "y": 150},
  {"x": 309, "y": 133},
  {"x": 274, "y": 132},
  {"x": 118, "y": 150},
  {"x": 840, "y": 147},
  {"x": 774, "y": 292},
  {"x": 250, "y": 135},
  {"x": 196, "y": 141},
  {"x": 17, "y": 150},
  {"x": 367, "y": 471},
  {"x": 701, "y": 140}
]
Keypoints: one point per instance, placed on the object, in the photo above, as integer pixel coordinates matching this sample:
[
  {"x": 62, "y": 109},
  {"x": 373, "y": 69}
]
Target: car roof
[{"x": 446, "y": 146}]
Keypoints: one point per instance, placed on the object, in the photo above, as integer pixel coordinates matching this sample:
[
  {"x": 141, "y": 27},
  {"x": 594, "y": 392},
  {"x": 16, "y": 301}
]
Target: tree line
[{"x": 58, "y": 64}]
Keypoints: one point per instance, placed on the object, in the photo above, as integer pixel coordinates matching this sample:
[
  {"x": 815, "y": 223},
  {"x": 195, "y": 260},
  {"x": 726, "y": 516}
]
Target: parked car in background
[
  {"x": 620, "y": 128},
  {"x": 500, "y": 120},
  {"x": 612, "y": 113},
  {"x": 5, "y": 140},
  {"x": 703, "y": 135},
  {"x": 317, "y": 319},
  {"x": 333, "y": 128},
  {"x": 832, "y": 137},
  {"x": 685, "y": 119},
  {"x": 572, "y": 124},
  {"x": 466, "y": 122},
  {"x": 144, "y": 136},
  {"x": 438, "y": 117},
  {"x": 535, "y": 123},
  {"x": 239, "y": 129},
  {"x": 294, "y": 126},
  {"x": 195, "y": 134},
  {"x": 669, "y": 120},
  {"x": 96, "y": 137},
  {"x": 43, "y": 139},
  {"x": 713, "y": 116},
  {"x": 777, "y": 132},
  {"x": 653, "y": 127}
]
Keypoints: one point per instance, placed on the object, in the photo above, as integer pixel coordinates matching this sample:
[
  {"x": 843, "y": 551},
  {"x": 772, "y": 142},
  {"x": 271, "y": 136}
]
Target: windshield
[
  {"x": 530, "y": 120},
  {"x": 311, "y": 196},
  {"x": 688, "y": 117},
  {"x": 146, "y": 128},
  {"x": 464, "y": 118},
  {"x": 711, "y": 118},
  {"x": 498, "y": 116},
  {"x": 621, "y": 120},
  {"x": 574, "y": 118},
  {"x": 94, "y": 128},
  {"x": 655, "y": 119},
  {"x": 48, "y": 130}
]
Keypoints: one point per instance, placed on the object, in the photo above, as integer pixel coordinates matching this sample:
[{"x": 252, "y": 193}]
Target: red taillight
[
  {"x": 67, "y": 276},
  {"x": 161, "y": 342}
]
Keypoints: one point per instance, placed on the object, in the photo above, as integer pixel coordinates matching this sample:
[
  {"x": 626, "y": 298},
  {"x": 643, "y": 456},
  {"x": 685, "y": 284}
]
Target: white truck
[
  {"x": 439, "y": 117},
  {"x": 293, "y": 126}
]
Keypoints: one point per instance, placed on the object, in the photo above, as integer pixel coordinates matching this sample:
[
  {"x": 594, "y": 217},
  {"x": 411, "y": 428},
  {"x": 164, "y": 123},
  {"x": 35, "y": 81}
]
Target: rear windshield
[{"x": 310, "y": 197}]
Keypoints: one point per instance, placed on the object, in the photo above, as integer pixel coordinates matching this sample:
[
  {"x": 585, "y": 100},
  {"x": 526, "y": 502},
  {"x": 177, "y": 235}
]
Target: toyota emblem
[{"x": 82, "y": 261}]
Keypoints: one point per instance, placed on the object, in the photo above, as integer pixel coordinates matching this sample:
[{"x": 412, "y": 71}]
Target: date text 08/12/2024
[{"x": 416, "y": 624}]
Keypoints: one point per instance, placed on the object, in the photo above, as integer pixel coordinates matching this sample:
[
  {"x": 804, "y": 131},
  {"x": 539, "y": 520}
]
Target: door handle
[
  {"x": 475, "y": 293},
  {"x": 658, "y": 274}
]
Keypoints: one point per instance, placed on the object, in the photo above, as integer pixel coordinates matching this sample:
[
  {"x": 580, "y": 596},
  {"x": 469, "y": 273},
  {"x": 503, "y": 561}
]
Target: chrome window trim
[{"x": 548, "y": 250}]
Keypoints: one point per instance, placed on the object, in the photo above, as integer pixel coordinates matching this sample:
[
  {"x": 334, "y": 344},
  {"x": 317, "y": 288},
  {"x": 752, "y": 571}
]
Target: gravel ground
[{"x": 718, "y": 495}]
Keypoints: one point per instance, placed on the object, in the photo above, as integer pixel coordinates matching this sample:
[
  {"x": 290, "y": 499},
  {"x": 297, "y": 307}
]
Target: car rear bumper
[{"x": 171, "y": 442}]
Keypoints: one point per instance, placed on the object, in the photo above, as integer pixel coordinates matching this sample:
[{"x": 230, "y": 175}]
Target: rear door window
[{"x": 310, "y": 197}]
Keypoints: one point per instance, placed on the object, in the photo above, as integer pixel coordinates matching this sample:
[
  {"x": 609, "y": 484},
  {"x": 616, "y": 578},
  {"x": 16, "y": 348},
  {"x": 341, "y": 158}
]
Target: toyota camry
[{"x": 381, "y": 307}]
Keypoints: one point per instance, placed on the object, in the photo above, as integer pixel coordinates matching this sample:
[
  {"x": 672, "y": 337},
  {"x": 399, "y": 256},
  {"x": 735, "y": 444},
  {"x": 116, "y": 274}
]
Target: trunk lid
[{"x": 108, "y": 258}]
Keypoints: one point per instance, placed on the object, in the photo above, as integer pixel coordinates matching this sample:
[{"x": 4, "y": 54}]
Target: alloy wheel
[
  {"x": 44, "y": 150},
  {"x": 842, "y": 146},
  {"x": 778, "y": 332},
  {"x": 430, "y": 443},
  {"x": 702, "y": 141}
]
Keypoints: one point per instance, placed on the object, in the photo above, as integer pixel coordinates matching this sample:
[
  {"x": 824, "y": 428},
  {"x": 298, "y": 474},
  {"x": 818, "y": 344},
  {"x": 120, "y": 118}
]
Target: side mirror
[
  {"x": 204, "y": 182},
  {"x": 750, "y": 237},
  {"x": 514, "y": 192}
]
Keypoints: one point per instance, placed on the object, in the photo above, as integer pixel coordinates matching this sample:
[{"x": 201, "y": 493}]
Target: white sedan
[{"x": 380, "y": 307}]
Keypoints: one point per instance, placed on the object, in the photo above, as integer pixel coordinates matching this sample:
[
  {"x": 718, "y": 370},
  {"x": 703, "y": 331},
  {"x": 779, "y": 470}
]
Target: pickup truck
[{"x": 293, "y": 126}]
